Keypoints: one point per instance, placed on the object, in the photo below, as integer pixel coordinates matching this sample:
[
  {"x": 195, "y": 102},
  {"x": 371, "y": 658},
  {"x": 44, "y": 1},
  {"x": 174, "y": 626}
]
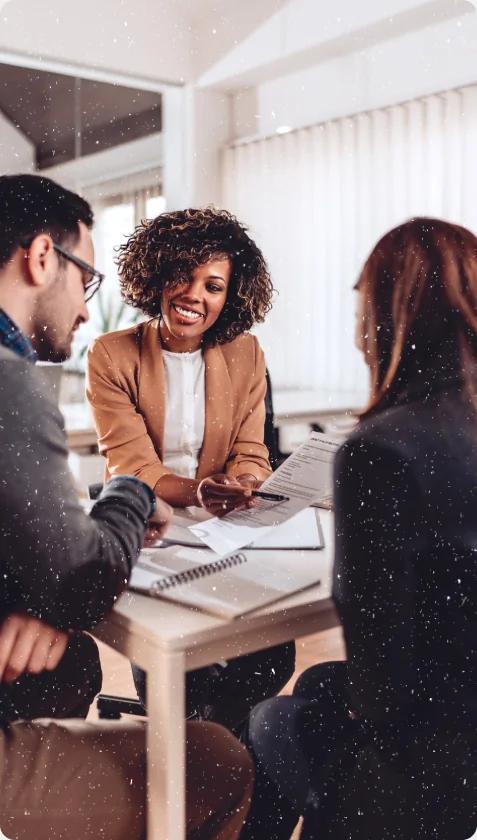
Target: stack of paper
[
  {"x": 301, "y": 531},
  {"x": 304, "y": 477}
]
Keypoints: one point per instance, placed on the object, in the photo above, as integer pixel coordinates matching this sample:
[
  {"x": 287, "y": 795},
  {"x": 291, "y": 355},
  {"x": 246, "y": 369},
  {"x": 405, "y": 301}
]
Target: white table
[
  {"x": 290, "y": 407},
  {"x": 295, "y": 406},
  {"x": 79, "y": 427},
  {"x": 166, "y": 640}
]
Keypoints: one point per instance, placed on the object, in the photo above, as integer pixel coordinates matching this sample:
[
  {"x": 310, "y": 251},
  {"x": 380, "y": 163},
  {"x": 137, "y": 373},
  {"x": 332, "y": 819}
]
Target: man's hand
[
  {"x": 158, "y": 522},
  {"x": 27, "y": 645},
  {"x": 220, "y": 494}
]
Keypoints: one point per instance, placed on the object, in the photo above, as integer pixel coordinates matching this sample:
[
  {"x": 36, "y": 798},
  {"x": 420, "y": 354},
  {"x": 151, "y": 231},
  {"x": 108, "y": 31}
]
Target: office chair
[
  {"x": 111, "y": 707},
  {"x": 270, "y": 433}
]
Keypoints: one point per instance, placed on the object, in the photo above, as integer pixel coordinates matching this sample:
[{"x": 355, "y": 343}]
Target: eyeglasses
[{"x": 93, "y": 277}]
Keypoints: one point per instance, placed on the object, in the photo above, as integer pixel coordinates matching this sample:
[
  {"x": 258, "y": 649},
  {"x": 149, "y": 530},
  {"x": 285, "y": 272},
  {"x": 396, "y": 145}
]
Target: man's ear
[{"x": 41, "y": 260}]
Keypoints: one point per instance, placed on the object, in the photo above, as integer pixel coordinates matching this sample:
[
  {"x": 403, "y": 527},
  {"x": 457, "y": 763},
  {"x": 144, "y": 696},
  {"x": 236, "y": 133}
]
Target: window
[
  {"x": 115, "y": 219},
  {"x": 318, "y": 198}
]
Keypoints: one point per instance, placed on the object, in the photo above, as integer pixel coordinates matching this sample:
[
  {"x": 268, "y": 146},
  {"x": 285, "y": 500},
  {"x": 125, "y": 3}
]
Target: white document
[
  {"x": 303, "y": 478},
  {"x": 303, "y": 531}
]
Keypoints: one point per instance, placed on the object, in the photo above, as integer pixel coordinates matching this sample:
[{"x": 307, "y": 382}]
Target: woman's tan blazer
[{"x": 125, "y": 386}]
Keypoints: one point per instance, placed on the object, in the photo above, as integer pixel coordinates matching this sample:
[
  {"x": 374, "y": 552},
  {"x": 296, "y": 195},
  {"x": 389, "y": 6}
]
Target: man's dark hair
[{"x": 30, "y": 205}]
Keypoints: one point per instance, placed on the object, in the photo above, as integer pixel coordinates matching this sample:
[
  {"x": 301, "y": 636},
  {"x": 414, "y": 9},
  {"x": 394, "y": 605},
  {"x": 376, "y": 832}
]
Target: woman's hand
[
  {"x": 219, "y": 494},
  {"x": 28, "y": 646},
  {"x": 158, "y": 523},
  {"x": 249, "y": 480}
]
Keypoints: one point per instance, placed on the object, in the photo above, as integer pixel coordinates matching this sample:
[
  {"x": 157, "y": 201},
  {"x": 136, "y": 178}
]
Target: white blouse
[{"x": 185, "y": 411}]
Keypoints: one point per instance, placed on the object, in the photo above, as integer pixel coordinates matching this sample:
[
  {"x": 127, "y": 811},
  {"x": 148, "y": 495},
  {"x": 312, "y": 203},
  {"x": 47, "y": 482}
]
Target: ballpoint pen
[{"x": 270, "y": 497}]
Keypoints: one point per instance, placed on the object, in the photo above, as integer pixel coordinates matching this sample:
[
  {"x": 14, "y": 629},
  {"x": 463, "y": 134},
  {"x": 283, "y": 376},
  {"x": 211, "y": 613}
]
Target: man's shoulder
[
  {"x": 17, "y": 373},
  {"x": 16, "y": 380},
  {"x": 24, "y": 392}
]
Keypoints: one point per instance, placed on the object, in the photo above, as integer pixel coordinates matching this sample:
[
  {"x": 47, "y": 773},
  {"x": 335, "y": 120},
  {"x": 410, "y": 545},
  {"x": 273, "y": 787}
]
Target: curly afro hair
[{"x": 164, "y": 251}]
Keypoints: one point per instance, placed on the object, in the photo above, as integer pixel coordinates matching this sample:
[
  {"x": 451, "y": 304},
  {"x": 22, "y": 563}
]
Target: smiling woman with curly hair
[
  {"x": 163, "y": 252},
  {"x": 178, "y": 401}
]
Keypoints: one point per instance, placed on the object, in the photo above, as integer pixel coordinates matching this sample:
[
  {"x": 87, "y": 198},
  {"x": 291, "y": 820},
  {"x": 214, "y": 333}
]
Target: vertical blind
[{"x": 318, "y": 198}]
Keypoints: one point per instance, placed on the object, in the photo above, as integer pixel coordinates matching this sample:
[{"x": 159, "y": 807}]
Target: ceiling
[
  {"x": 169, "y": 41},
  {"x": 66, "y": 117}
]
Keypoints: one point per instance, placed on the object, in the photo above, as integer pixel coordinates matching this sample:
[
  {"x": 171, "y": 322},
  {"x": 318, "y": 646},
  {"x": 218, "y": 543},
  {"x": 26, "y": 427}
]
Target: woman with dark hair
[
  {"x": 384, "y": 745},
  {"x": 178, "y": 400}
]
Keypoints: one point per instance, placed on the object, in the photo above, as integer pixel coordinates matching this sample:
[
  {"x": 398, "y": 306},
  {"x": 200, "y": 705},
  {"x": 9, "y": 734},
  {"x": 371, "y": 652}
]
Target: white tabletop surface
[
  {"x": 77, "y": 416},
  {"x": 296, "y": 403},
  {"x": 288, "y": 406},
  {"x": 175, "y": 627}
]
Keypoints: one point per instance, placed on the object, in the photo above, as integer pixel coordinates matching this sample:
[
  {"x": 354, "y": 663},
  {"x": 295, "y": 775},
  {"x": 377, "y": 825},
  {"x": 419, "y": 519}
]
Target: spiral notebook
[{"x": 224, "y": 586}]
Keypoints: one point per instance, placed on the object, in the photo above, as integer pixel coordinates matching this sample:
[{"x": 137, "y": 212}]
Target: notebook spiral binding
[{"x": 197, "y": 572}]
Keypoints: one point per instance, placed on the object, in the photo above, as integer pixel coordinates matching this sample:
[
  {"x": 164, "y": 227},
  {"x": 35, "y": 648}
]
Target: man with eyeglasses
[
  {"x": 53, "y": 341},
  {"x": 61, "y": 570}
]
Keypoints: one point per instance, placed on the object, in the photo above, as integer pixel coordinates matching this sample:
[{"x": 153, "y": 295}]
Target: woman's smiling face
[{"x": 191, "y": 308}]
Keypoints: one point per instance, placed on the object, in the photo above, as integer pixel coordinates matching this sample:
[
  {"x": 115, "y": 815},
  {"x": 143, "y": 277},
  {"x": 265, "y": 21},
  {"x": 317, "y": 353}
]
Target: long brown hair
[{"x": 419, "y": 323}]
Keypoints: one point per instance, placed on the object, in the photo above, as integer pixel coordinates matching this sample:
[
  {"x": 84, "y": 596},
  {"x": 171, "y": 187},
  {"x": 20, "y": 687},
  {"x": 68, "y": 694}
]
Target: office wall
[
  {"x": 419, "y": 63},
  {"x": 16, "y": 152},
  {"x": 318, "y": 198}
]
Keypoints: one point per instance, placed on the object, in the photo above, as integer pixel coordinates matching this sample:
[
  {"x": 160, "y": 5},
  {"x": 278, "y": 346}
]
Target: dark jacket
[
  {"x": 405, "y": 586},
  {"x": 56, "y": 562}
]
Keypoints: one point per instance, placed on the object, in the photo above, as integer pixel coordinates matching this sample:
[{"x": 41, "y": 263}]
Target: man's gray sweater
[{"x": 57, "y": 562}]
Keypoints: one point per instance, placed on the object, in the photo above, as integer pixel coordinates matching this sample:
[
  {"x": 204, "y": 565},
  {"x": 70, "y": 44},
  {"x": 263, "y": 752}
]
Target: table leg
[{"x": 166, "y": 747}]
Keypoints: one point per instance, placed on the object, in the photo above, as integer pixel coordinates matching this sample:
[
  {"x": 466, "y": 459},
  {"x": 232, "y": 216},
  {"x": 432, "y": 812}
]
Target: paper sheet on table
[
  {"x": 302, "y": 531},
  {"x": 303, "y": 477}
]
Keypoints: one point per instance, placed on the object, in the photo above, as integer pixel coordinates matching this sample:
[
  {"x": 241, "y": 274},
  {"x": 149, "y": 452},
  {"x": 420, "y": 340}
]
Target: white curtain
[{"x": 317, "y": 199}]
